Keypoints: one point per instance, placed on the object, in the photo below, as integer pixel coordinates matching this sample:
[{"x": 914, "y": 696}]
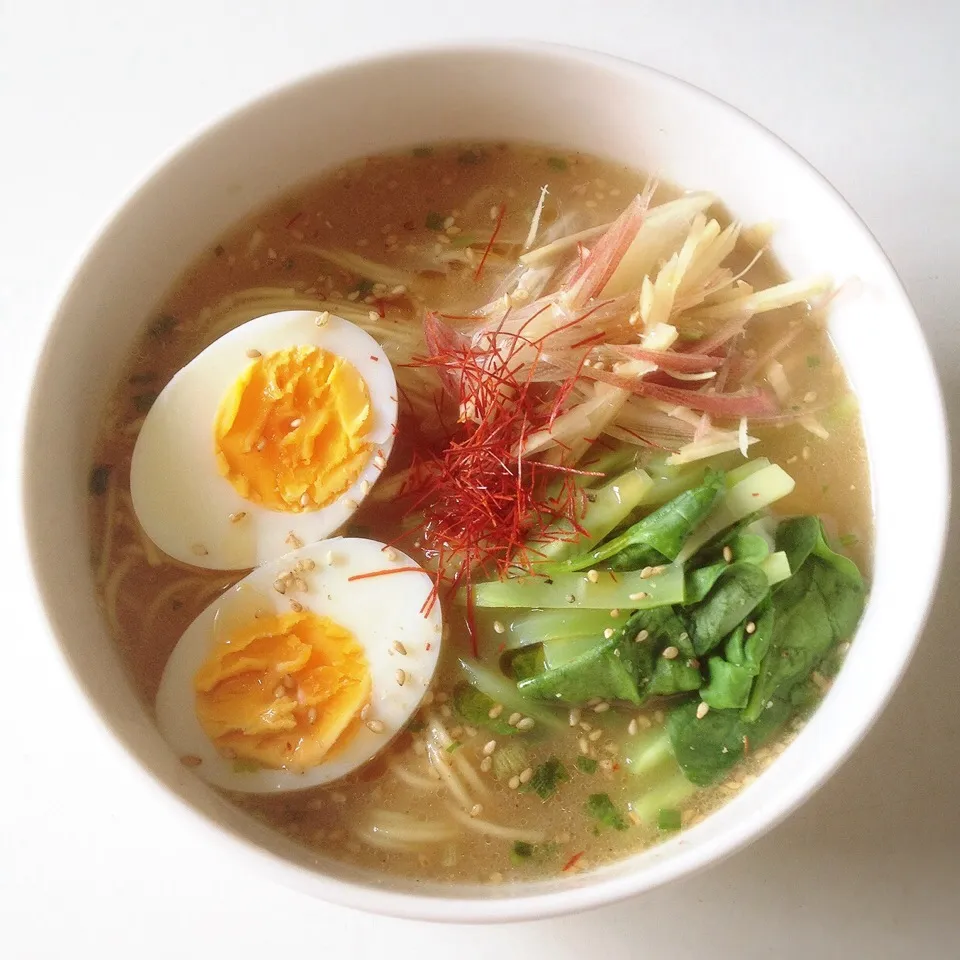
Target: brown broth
[{"x": 388, "y": 208}]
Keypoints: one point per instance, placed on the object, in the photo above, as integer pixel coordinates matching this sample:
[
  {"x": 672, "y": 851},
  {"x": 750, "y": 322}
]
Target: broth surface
[{"x": 404, "y": 211}]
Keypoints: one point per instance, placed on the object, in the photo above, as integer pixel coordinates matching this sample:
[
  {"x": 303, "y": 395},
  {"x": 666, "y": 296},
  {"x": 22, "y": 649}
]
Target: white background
[{"x": 91, "y": 94}]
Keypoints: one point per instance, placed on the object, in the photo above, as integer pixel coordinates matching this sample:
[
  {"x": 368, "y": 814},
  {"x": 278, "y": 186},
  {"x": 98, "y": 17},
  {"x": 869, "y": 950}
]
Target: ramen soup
[{"x": 483, "y": 512}]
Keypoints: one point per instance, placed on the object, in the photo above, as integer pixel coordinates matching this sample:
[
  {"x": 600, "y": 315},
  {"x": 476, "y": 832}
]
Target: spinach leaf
[
  {"x": 708, "y": 747},
  {"x": 602, "y": 808},
  {"x": 729, "y": 686},
  {"x": 526, "y": 662},
  {"x": 731, "y": 676},
  {"x": 656, "y": 538},
  {"x": 698, "y": 583},
  {"x": 813, "y": 610},
  {"x": 586, "y": 764},
  {"x": 617, "y": 668},
  {"x": 797, "y": 538},
  {"x": 733, "y": 597},
  {"x": 547, "y": 778},
  {"x": 473, "y": 707},
  {"x": 674, "y": 676}
]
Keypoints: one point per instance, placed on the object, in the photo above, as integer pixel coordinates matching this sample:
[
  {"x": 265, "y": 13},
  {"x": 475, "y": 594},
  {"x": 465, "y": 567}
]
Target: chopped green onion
[
  {"x": 668, "y": 819},
  {"x": 601, "y": 808},
  {"x": 586, "y": 764},
  {"x": 434, "y": 221}
]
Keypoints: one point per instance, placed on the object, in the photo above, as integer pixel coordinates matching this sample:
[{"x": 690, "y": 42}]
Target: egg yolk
[
  {"x": 290, "y": 433},
  {"x": 282, "y": 689}
]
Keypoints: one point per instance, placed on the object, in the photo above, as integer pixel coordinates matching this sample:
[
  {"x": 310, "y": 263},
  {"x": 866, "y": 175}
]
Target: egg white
[
  {"x": 180, "y": 498},
  {"x": 378, "y": 611}
]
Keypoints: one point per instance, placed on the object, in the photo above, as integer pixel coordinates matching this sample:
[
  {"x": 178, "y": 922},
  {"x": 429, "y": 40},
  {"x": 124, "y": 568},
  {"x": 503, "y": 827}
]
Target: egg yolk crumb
[
  {"x": 291, "y": 431},
  {"x": 282, "y": 689}
]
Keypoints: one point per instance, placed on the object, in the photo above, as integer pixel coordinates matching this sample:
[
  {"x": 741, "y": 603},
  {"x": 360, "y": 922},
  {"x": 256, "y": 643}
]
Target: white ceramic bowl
[{"x": 560, "y": 96}]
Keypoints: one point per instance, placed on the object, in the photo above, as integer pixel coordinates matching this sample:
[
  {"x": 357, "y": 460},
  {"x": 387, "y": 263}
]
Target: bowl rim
[{"x": 595, "y": 892}]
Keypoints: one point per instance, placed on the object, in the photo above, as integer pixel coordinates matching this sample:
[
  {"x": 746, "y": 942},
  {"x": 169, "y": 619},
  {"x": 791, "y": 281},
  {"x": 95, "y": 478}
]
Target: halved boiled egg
[
  {"x": 304, "y": 670},
  {"x": 272, "y": 436}
]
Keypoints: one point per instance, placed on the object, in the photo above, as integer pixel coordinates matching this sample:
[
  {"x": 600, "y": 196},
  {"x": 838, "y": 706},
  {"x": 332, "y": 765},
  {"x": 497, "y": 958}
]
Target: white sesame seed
[
  {"x": 639, "y": 596},
  {"x": 375, "y": 726},
  {"x": 489, "y": 747},
  {"x": 199, "y": 550},
  {"x": 390, "y": 554},
  {"x": 670, "y": 653},
  {"x": 527, "y": 723},
  {"x": 514, "y": 719},
  {"x": 280, "y": 585},
  {"x": 322, "y": 319},
  {"x": 296, "y": 423},
  {"x": 253, "y": 354},
  {"x": 727, "y": 553},
  {"x": 513, "y": 783},
  {"x": 261, "y": 443},
  {"x": 364, "y": 487},
  {"x": 526, "y": 775},
  {"x": 485, "y": 764},
  {"x": 584, "y": 745},
  {"x": 594, "y": 735},
  {"x": 495, "y": 711},
  {"x": 498, "y": 627},
  {"x": 312, "y": 716},
  {"x": 571, "y": 598},
  {"x": 350, "y": 504},
  {"x": 608, "y": 633},
  {"x": 296, "y": 606},
  {"x": 305, "y": 500},
  {"x": 601, "y": 708},
  {"x": 574, "y": 716},
  {"x": 400, "y": 648},
  {"x": 401, "y": 676},
  {"x": 702, "y": 710},
  {"x": 809, "y": 396},
  {"x": 293, "y": 541},
  {"x": 190, "y": 760},
  {"x": 615, "y": 612},
  {"x": 476, "y": 810},
  {"x": 593, "y": 576},
  {"x": 445, "y": 711},
  {"x": 632, "y": 727},
  {"x": 805, "y": 453},
  {"x": 238, "y": 516},
  {"x": 646, "y": 573},
  {"x": 288, "y": 681},
  {"x": 641, "y": 636},
  {"x": 330, "y": 558},
  {"x": 278, "y": 691},
  {"x": 750, "y": 627},
  {"x": 365, "y": 711}
]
